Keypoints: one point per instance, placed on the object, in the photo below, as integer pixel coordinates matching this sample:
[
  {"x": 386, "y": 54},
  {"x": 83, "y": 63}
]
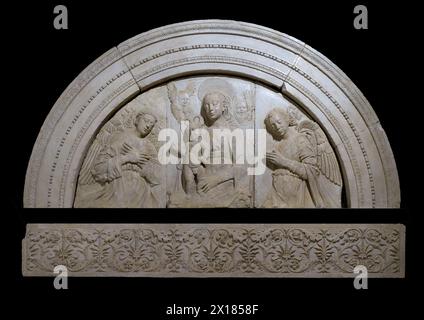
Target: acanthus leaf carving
[{"x": 231, "y": 250}]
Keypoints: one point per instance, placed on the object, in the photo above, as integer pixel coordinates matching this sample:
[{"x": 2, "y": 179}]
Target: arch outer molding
[
  {"x": 238, "y": 49},
  {"x": 229, "y": 48}
]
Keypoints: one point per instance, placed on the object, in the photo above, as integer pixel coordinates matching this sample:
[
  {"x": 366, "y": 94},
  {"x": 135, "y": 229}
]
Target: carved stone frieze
[
  {"x": 214, "y": 250},
  {"x": 102, "y": 144}
]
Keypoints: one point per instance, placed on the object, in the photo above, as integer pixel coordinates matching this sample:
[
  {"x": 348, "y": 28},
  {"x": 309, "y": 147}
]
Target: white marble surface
[
  {"x": 214, "y": 250},
  {"x": 247, "y": 51}
]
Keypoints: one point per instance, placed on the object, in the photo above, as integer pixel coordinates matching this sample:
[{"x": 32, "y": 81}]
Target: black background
[{"x": 45, "y": 60}]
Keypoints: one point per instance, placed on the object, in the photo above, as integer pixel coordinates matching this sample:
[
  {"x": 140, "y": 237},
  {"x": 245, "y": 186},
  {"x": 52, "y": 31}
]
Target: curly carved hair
[{"x": 279, "y": 111}]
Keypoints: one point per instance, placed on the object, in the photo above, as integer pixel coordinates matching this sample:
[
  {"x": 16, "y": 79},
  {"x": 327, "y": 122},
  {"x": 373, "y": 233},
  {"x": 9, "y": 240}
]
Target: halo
[{"x": 215, "y": 85}]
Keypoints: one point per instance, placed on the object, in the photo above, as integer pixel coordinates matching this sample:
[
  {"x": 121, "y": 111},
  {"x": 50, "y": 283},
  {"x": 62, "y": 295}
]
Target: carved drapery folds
[
  {"x": 324, "y": 147},
  {"x": 248, "y": 55},
  {"x": 122, "y": 168}
]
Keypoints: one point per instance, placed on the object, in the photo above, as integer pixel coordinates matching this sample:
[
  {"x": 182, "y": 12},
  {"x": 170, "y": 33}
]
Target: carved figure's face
[
  {"x": 242, "y": 112},
  {"x": 184, "y": 99},
  {"x": 213, "y": 104},
  {"x": 242, "y": 108},
  {"x": 278, "y": 125},
  {"x": 145, "y": 124}
]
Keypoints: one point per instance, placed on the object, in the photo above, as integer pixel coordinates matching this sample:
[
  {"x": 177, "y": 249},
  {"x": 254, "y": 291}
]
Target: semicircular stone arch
[{"x": 162, "y": 67}]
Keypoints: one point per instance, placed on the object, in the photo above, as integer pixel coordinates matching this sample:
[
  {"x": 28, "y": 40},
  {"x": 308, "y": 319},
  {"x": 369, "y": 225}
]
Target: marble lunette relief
[{"x": 122, "y": 167}]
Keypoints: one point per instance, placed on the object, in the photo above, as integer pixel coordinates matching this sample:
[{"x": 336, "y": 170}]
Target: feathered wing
[
  {"x": 85, "y": 176},
  {"x": 173, "y": 98},
  {"x": 330, "y": 180},
  {"x": 229, "y": 112},
  {"x": 191, "y": 88},
  {"x": 326, "y": 159},
  {"x": 250, "y": 100},
  {"x": 102, "y": 139}
]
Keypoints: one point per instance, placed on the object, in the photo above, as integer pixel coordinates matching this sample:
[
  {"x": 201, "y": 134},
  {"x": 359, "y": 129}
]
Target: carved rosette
[{"x": 214, "y": 250}]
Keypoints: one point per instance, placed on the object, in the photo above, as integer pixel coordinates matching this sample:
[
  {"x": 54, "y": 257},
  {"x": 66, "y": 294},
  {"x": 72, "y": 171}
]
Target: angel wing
[
  {"x": 250, "y": 100},
  {"x": 172, "y": 92},
  {"x": 294, "y": 116},
  {"x": 326, "y": 159},
  {"x": 229, "y": 113},
  {"x": 176, "y": 110},
  {"x": 103, "y": 138},
  {"x": 249, "y": 97},
  {"x": 191, "y": 89}
]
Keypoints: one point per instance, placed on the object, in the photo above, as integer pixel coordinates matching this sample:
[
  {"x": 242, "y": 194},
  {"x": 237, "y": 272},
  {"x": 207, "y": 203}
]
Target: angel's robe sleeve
[
  {"x": 151, "y": 170},
  {"x": 107, "y": 166}
]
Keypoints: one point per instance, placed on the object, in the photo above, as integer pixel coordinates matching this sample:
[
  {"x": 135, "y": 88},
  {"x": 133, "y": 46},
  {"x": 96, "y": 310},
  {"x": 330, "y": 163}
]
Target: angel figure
[
  {"x": 121, "y": 168},
  {"x": 305, "y": 171},
  {"x": 181, "y": 106},
  {"x": 245, "y": 108}
]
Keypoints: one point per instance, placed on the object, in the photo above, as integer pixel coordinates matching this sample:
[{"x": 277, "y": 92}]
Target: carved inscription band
[{"x": 214, "y": 250}]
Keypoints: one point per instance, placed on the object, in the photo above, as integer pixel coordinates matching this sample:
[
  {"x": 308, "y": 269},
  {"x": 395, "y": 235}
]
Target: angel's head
[
  {"x": 242, "y": 108},
  {"x": 277, "y": 123},
  {"x": 144, "y": 123},
  {"x": 213, "y": 106}
]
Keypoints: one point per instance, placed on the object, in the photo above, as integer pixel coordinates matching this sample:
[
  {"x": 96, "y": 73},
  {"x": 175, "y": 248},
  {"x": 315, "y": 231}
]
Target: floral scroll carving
[{"x": 214, "y": 250}]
